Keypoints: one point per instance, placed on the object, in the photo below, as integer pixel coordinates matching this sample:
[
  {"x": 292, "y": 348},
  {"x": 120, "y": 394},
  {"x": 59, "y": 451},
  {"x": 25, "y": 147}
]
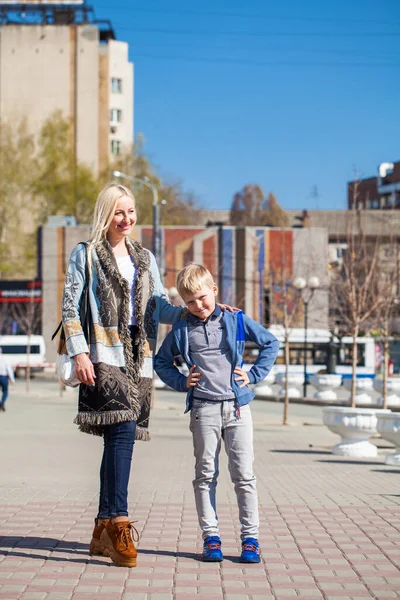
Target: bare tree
[
  {"x": 285, "y": 309},
  {"x": 389, "y": 293},
  {"x": 354, "y": 287},
  {"x": 251, "y": 207},
  {"x": 28, "y": 315},
  {"x": 4, "y": 315}
]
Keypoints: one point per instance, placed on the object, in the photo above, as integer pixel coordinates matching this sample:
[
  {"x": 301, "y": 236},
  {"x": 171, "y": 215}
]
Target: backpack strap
[{"x": 240, "y": 337}]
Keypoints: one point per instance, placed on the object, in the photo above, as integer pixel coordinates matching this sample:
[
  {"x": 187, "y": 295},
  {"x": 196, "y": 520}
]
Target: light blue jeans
[{"x": 210, "y": 423}]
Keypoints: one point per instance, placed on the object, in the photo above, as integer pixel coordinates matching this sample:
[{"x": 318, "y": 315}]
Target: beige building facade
[{"x": 74, "y": 69}]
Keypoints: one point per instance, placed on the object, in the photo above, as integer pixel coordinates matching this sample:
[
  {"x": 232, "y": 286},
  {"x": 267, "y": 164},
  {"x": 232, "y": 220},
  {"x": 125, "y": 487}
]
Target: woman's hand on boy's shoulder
[
  {"x": 228, "y": 307},
  {"x": 193, "y": 378},
  {"x": 242, "y": 376}
]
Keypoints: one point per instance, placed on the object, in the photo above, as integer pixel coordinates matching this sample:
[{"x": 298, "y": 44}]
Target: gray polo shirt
[{"x": 209, "y": 350}]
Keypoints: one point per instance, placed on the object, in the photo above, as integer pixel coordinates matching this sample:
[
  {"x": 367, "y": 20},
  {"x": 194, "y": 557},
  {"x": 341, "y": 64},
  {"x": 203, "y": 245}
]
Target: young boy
[{"x": 211, "y": 342}]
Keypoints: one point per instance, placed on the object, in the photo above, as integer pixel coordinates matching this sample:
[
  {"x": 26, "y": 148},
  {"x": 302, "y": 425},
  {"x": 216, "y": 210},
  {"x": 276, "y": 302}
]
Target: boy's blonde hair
[
  {"x": 104, "y": 208},
  {"x": 192, "y": 278}
]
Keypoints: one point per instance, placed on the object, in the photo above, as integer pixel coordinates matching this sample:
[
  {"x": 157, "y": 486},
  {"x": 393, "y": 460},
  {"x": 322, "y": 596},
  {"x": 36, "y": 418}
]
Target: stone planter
[
  {"x": 326, "y": 384},
  {"x": 295, "y": 383},
  {"x": 364, "y": 386},
  {"x": 355, "y": 426},
  {"x": 393, "y": 391},
  {"x": 389, "y": 428},
  {"x": 263, "y": 389}
]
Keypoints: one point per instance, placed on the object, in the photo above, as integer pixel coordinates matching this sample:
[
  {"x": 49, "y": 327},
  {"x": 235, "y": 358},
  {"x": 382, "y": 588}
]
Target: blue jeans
[
  {"x": 115, "y": 469},
  {"x": 4, "y": 387}
]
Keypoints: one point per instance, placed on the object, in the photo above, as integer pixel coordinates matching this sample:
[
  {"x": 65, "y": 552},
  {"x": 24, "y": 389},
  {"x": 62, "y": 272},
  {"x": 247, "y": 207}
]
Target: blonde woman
[{"x": 127, "y": 302}]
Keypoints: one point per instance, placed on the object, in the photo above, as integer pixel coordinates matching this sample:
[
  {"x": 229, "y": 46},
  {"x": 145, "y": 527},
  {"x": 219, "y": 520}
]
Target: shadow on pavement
[
  {"x": 301, "y": 451},
  {"x": 197, "y": 557},
  {"x": 344, "y": 461},
  {"x": 178, "y": 554},
  {"x": 15, "y": 546},
  {"x": 386, "y": 471}
]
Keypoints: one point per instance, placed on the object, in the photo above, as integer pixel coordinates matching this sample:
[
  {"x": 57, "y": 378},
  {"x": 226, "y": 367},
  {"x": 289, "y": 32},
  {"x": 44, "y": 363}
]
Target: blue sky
[{"x": 293, "y": 96}]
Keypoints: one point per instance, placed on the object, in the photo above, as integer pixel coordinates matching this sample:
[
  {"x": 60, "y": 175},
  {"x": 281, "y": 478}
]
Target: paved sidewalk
[{"x": 329, "y": 525}]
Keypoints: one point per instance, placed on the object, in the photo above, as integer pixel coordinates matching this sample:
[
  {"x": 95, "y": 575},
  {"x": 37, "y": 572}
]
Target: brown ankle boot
[
  {"x": 117, "y": 542},
  {"x": 95, "y": 545}
]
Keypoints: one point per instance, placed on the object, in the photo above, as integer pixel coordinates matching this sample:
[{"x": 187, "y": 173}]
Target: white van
[{"x": 15, "y": 350}]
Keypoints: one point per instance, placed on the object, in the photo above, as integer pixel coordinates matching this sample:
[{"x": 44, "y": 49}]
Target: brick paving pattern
[{"x": 329, "y": 525}]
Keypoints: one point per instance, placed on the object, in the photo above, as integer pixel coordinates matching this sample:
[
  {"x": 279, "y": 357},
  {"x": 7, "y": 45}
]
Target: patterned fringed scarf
[{"x": 120, "y": 394}]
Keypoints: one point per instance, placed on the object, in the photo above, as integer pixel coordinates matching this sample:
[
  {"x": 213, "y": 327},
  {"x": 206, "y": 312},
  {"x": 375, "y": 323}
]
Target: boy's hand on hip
[
  {"x": 242, "y": 376},
  {"x": 193, "y": 378}
]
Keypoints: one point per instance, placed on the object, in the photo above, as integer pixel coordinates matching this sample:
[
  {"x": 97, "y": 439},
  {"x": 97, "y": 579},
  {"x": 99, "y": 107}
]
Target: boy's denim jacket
[{"x": 238, "y": 332}]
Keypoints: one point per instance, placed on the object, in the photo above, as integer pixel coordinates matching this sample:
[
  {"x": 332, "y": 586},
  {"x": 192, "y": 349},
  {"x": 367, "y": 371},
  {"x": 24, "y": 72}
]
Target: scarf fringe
[
  {"x": 94, "y": 423},
  {"x": 142, "y": 434},
  {"x": 109, "y": 417}
]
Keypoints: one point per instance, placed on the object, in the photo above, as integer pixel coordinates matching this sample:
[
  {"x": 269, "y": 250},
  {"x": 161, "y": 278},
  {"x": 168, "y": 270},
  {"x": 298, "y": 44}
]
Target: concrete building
[
  {"x": 246, "y": 262},
  {"x": 335, "y": 221},
  {"x": 58, "y": 57}
]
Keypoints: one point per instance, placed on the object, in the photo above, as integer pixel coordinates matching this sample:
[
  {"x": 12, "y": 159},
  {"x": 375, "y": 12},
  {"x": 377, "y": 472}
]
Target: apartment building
[
  {"x": 57, "y": 56},
  {"x": 381, "y": 192}
]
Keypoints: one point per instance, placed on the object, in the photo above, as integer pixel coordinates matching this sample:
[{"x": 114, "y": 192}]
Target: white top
[
  {"x": 5, "y": 368},
  {"x": 128, "y": 272}
]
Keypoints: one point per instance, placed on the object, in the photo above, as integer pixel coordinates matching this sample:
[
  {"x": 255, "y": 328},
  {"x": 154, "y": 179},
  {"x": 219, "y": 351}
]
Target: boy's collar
[
  {"x": 214, "y": 315},
  {"x": 216, "y": 312}
]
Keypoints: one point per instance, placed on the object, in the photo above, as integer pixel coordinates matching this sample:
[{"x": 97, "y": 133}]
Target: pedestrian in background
[{"x": 6, "y": 375}]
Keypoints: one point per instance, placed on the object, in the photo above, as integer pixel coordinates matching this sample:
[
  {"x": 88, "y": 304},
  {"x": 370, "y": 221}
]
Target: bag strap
[
  {"x": 56, "y": 331},
  {"x": 86, "y": 321},
  {"x": 85, "y": 296}
]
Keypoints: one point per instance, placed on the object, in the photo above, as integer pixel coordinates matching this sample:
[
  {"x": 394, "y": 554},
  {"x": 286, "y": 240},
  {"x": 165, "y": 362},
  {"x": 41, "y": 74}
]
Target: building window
[
  {"x": 116, "y": 147},
  {"x": 116, "y": 85},
  {"x": 115, "y": 115}
]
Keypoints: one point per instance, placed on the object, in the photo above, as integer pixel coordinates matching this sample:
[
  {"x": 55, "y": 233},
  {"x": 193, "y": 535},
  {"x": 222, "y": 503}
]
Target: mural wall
[{"x": 251, "y": 265}]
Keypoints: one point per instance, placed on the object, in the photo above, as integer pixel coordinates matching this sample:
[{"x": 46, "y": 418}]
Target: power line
[
  {"x": 313, "y": 51},
  {"x": 244, "y": 15},
  {"x": 256, "y": 63},
  {"x": 271, "y": 34}
]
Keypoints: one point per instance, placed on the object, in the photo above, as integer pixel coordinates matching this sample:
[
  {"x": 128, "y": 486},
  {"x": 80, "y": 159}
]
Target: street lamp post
[
  {"x": 156, "y": 209},
  {"x": 306, "y": 290}
]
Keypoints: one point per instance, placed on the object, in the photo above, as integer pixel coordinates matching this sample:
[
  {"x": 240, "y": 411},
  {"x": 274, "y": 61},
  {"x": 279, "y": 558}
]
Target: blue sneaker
[
  {"x": 250, "y": 551},
  {"x": 212, "y": 549}
]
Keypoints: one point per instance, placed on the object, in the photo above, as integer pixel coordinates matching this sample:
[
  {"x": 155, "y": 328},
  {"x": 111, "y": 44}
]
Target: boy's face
[{"x": 202, "y": 303}]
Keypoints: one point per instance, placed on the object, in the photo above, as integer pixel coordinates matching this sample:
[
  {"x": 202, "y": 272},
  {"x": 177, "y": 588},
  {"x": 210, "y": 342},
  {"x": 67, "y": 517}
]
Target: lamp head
[
  {"x": 299, "y": 283},
  {"x": 313, "y": 283}
]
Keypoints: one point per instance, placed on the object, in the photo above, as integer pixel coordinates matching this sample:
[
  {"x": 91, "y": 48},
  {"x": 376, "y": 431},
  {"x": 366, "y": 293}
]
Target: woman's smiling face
[{"x": 123, "y": 221}]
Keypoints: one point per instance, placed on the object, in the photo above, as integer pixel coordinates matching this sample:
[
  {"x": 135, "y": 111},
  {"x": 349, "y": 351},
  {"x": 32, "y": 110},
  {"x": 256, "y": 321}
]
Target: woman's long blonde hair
[{"x": 105, "y": 207}]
